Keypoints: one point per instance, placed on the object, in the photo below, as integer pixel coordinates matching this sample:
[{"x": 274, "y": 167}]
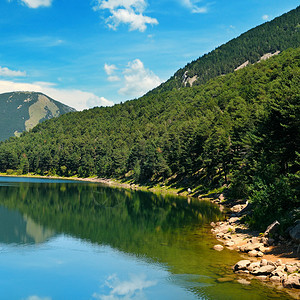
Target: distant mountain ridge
[
  {"x": 20, "y": 111},
  {"x": 277, "y": 35}
]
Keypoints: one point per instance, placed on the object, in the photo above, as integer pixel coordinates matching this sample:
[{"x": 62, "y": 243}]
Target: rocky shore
[{"x": 268, "y": 256}]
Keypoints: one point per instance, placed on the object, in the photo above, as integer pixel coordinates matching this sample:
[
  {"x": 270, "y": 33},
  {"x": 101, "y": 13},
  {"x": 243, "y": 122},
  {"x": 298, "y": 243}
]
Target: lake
[{"x": 78, "y": 240}]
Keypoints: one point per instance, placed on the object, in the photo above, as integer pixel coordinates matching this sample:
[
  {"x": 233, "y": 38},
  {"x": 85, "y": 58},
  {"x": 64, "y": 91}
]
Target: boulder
[
  {"x": 278, "y": 262},
  {"x": 253, "y": 266},
  {"x": 291, "y": 268},
  {"x": 218, "y": 247},
  {"x": 275, "y": 279},
  {"x": 256, "y": 246},
  {"x": 243, "y": 281},
  {"x": 263, "y": 262},
  {"x": 233, "y": 220},
  {"x": 253, "y": 253},
  {"x": 265, "y": 270},
  {"x": 259, "y": 254},
  {"x": 295, "y": 233},
  {"x": 292, "y": 281},
  {"x": 229, "y": 244},
  {"x": 242, "y": 265},
  {"x": 237, "y": 208}
]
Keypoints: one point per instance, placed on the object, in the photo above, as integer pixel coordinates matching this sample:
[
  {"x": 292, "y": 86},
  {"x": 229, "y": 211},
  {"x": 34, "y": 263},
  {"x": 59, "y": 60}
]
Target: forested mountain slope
[
  {"x": 277, "y": 35},
  {"x": 241, "y": 130},
  {"x": 21, "y": 111}
]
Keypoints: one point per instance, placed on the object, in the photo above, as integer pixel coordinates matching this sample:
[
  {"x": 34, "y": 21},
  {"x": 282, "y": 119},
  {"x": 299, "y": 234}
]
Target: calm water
[{"x": 76, "y": 240}]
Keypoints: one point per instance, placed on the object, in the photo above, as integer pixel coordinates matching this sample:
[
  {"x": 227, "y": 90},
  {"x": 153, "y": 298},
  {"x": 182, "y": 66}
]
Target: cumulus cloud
[
  {"x": 130, "y": 12},
  {"x": 37, "y": 3},
  {"x": 10, "y": 73},
  {"x": 265, "y": 17},
  {"x": 193, "y": 6},
  {"x": 77, "y": 99},
  {"x": 109, "y": 70},
  {"x": 138, "y": 80},
  {"x": 131, "y": 289}
]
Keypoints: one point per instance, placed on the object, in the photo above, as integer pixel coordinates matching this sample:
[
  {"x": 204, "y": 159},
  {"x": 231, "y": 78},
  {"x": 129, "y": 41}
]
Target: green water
[{"x": 73, "y": 240}]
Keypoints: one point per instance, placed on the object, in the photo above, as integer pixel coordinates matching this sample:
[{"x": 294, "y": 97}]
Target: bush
[
  {"x": 271, "y": 201},
  {"x": 9, "y": 171}
]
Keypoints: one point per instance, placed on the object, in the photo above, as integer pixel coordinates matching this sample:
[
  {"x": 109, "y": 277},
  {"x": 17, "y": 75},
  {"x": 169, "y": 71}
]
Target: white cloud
[
  {"x": 34, "y": 297},
  {"x": 109, "y": 69},
  {"x": 77, "y": 99},
  {"x": 10, "y": 73},
  {"x": 138, "y": 80},
  {"x": 193, "y": 6},
  {"x": 113, "y": 78},
  {"x": 37, "y": 3},
  {"x": 265, "y": 17},
  {"x": 129, "y": 12},
  {"x": 126, "y": 290}
]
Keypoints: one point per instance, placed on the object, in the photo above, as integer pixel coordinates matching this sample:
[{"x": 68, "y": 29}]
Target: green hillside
[
  {"x": 240, "y": 130},
  {"x": 20, "y": 111},
  {"x": 277, "y": 35}
]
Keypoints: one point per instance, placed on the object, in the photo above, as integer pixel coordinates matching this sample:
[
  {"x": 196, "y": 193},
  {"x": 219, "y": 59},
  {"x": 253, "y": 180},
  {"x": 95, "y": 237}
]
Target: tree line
[{"x": 239, "y": 131}]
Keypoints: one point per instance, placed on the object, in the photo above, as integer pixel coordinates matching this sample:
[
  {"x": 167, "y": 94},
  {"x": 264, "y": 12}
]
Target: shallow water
[{"x": 78, "y": 240}]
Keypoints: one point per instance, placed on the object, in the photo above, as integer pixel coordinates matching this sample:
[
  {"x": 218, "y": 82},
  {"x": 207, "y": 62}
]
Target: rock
[
  {"x": 295, "y": 233},
  {"x": 218, "y": 247},
  {"x": 270, "y": 241},
  {"x": 275, "y": 279},
  {"x": 243, "y": 281},
  {"x": 242, "y": 272},
  {"x": 229, "y": 244},
  {"x": 265, "y": 270},
  {"x": 279, "y": 272},
  {"x": 234, "y": 220},
  {"x": 271, "y": 229},
  {"x": 242, "y": 265},
  {"x": 291, "y": 268},
  {"x": 253, "y": 266},
  {"x": 253, "y": 253},
  {"x": 278, "y": 262},
  {"x": 263, "y": 262},
  {"x": 262, "y": 277},
  {"x": 292, "y": 281},
  {"x": 237, "y": 208},
  {"x": 213, "y": 224},
  {"x": 220, "y": 235},
  {"x": 259, "y": 254},
  {"x": 250, "y": 247}
]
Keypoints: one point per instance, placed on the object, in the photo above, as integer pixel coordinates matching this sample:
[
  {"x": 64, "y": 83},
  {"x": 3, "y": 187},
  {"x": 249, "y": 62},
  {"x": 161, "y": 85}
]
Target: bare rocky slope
[{"x": 20, "y": 111}]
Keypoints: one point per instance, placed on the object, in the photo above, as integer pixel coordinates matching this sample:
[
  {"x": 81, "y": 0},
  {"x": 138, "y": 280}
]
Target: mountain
[
  {"x": 240, "y": 132},
  {"x": 20, "y": 111},
  {"x": 260, "y": 42}
]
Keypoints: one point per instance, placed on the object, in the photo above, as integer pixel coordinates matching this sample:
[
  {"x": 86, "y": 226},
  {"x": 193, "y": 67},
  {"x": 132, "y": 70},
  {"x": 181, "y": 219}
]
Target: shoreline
[{"x": 231, "y": 233}]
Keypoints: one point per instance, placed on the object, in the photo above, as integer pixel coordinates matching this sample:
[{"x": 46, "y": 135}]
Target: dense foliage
[
  {"x": 239, "y": 130},
  {"x": 277, "y": 35}
]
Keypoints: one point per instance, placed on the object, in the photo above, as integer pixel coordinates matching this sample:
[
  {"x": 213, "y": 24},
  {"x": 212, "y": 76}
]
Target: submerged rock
[{"x": 218, "y": 247}]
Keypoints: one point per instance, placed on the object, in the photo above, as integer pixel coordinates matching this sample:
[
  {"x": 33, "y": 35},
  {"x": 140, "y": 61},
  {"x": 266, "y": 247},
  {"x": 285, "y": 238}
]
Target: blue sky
[{"x": 88, "y": 53}]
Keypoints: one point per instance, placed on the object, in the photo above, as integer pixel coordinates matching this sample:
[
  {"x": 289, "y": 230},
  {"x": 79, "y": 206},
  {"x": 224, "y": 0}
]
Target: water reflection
[
  {"x": 130, "y": 221},
  {"x": 16, "y": 228},
  {"x": 97, "y": 237}
]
